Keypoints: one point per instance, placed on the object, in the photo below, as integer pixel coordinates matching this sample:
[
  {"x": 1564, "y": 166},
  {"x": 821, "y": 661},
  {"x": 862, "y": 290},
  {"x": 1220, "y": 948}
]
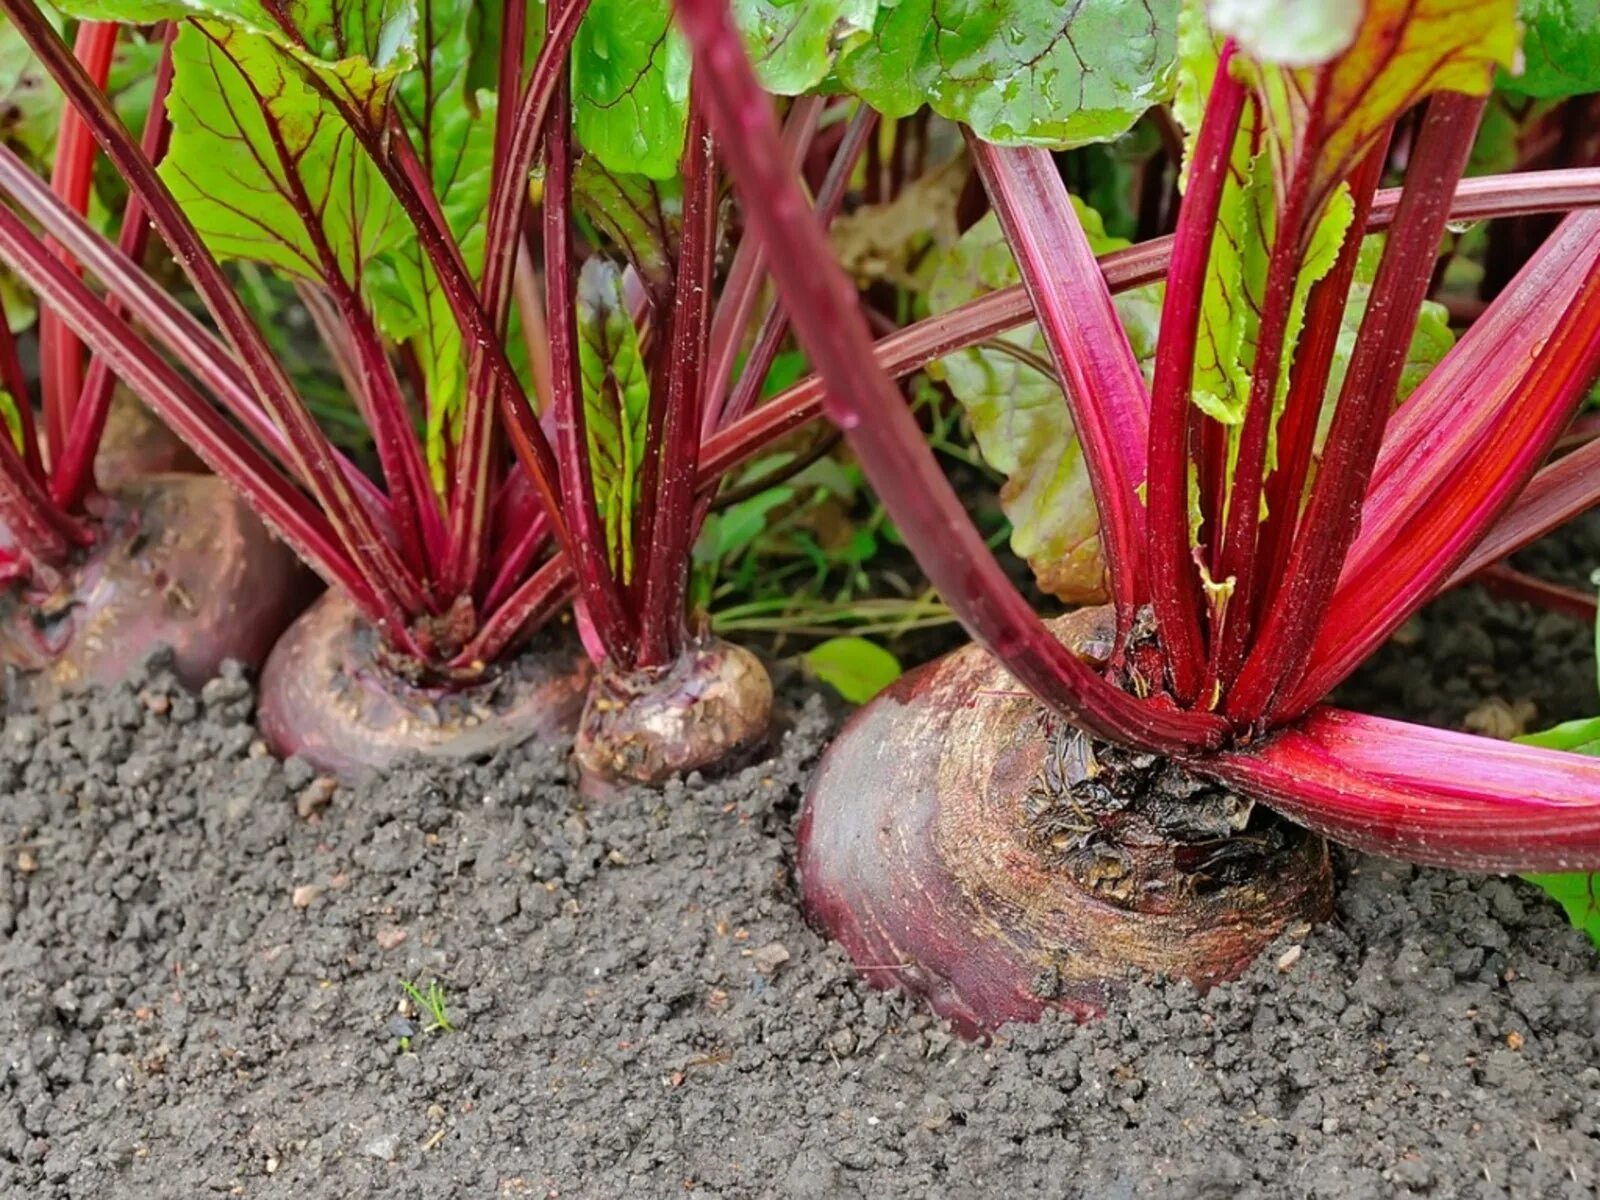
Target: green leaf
[
  {"x": 616, "y": 405},
  {"x": 263, "y": 164},
  {"x": 1577, "y": 893},
  {"x": 12, "y": 418},
  {"x": 793, "y": 43},
  {"x": 1019, "y": 414},
  {"x": 630, "y": 86},
  {"x": 30, "y": 103},
  {"x": 453, "y": 128},
  {"x": 1560, "y": 49},
  {"x": 1402, "y": 51},
  {"x": 736, "y": 528},
  {"x": 630, "y": 70},
  {"x": 641, "y": 216},
  {"x": 1020, "y": 72},
  {"x": 854, "y": 667}
]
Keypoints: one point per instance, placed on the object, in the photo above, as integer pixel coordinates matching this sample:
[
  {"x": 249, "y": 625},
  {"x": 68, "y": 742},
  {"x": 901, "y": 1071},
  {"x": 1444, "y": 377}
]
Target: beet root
[
  {"x": 710, "y": 708},
  {"x": 332, "y": 694},
  {"x": 180, "y": 562},
  {"x": 968, "y": 847}
]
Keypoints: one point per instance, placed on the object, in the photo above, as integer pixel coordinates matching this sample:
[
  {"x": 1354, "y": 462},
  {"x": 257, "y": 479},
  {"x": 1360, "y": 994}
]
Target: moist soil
[{"x": 204, "y": 954}]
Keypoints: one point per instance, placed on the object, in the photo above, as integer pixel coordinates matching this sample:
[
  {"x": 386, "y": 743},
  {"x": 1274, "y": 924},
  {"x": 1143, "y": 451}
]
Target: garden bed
[{"x": 204, "y": 990}]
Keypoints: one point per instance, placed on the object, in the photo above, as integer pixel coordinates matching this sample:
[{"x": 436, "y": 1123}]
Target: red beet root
[
  {"x": 711, "y": 707},
  {"x": 965, "y": 847},
  {"x": 331, "y": 694},
  {"x": 180, "y": 562}
]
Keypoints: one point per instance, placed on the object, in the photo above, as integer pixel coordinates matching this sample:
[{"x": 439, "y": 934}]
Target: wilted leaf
[
  {"x": 616, "y": 405},
  {"x": 1019, "y": 414},
  {"x": 1020, "y": 72},
  {"x": 899, "y": 241},
  {"x": 1560, "y": 49},
  {"x": 854, "y": 667}
]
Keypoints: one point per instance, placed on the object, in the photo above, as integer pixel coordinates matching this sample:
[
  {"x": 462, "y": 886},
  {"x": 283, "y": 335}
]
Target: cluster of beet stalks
[{"x": 997, "y": 861}]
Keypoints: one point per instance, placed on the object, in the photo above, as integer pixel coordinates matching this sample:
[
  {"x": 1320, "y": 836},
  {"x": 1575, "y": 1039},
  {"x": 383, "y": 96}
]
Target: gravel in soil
[{"x": 204, "y": 952}]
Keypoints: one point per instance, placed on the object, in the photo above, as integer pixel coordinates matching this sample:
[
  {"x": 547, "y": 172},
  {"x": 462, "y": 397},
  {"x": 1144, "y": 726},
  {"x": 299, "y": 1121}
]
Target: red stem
[
  {"x": 73, "y": 477},
  {"x": 310, "y": 454},
  {"x": 1333, "y": 513},
  {"x": 1297, "y": 428},
  {"x": 742, "y": 290},
  {"x": 1234, "y": 621},
  {"x": 599, "y": 588},
  {"x": 61, "y": 354},
  {"x": 173, "y": 327},
  {"x": 1559, "y": 492},
  {"x": 176, "y": 402},
  {"x": 866, "y": 405},
  {"x": 1462, "y": 448},
  {"x": 671, "y": 526},
  {"x": 1510, "y": 584},
  {"x": 1105, "y": 390},
  {"x": 1174, "y": 587},
  {"x": 775, "y": 322}
]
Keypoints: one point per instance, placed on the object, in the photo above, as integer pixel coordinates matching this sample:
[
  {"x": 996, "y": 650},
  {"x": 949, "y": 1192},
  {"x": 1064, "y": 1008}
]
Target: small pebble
[
  {"x": 316, "y": 795},
  {"x": 303, "y": 895},
  {"x": 1289, "y": 957},
  {"x": 390, "y": 936}
]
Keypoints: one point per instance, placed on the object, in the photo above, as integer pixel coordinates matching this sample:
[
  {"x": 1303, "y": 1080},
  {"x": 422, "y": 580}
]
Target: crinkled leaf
[
  {"x": 630, "y": 86},
  {"x": 630, "y": 69},
  {"x": 641, "y": 216},
  {"x": 264, "y": 166},
  {"x": 616, "y": 405},
  {"x": 1560, "y": 49},
  {"x": 793, "y": 43},
  {"x": 1019, "y": 414},
  {"x": 854, "y": 667},
  {"x": 453, "y": 129},
  {"x": 1020, "y": 72}
]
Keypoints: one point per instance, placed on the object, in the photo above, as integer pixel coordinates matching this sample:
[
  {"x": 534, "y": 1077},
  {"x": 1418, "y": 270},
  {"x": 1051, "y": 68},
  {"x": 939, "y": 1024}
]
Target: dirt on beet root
[{"x": 204, "y": 954}]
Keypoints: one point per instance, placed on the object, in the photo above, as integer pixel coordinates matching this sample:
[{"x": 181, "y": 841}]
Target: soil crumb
[{"x": 204, "y": 995}]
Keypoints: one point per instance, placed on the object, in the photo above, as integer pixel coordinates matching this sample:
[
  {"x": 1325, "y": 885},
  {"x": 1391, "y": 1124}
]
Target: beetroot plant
[
  {"x": 111, "y": 548},
  {"x": 538, "y": 400},
  {"x": 1019, "y": 824}
]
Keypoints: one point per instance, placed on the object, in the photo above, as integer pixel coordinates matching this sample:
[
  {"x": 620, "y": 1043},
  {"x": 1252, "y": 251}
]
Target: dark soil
[{"x": 202, "y": 993}]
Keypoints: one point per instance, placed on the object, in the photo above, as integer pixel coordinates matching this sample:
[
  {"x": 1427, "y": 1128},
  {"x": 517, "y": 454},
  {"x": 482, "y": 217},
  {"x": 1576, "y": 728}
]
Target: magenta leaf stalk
[
  {"x": 1106, "y": 392},
  {"x": 1174, "y": 588},
  {"x": 865, "y": 404}
]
